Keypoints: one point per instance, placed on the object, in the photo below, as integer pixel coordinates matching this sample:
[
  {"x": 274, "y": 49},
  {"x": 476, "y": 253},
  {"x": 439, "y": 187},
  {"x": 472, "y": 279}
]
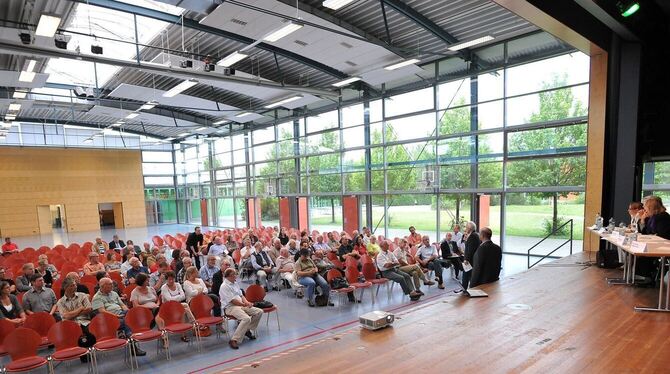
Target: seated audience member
[
  {"x": 74, "y": 306},
  {"x": 145, "y": 253},
  {"x": 389, "y": 266},
  {"x": 194, "y": 286},
  {"x": 451, "y": 254},
  {"x": 472, "y": 243},
  {"x": 125, "y": 266},
  {"x": 106, "y": 300},
  {"x": 309, "y": 277},
  {"x": 218, "y": 248},
  {"x": 51, "y": 267},
  {"x": 217, "y": 279},
  {"x": 187, "y": 262},
  {"x": 23, "y": 281},
  {"x": 332, "y": 243},
  {"x": 115, "y": 286},
  {"x": 144, "y": 296},
  {"x": 234, "y": 304},
  {"x": 132, "y": 248},
  {"x": 8, "y": 248},
  {"x": 44, "y": 271},
  {"x": 136, "y": 268},
  {"x": 635, "y": 210},
  {"x": 366, "y": 235},
  {"x": 304, "y": 244},
  {"x": 263, "y": 265},
  {"x": 402, "y": 254},
  {"x": 414, "y": 238},
  {"x": 293, "y": 248},
  {"x": 373, "y": 248},
  {"x": 79, "y": 287},
  {"x": 158, "y": 278},
  {"x": 12, "y": 285},
  {"x": 246, "y": 251},
  {"x": 10, "y": 308},
  {"x": 283, "y": 237},
  {"x": 458, "y": 235},
  {"x": 285, "y": 271},
  {"x": 93, "y": 266},
  {"x": 172, "y": 291},
  {"x": 208, "y": 270},
  {"x": 153, "y": 258},
  {"x": 179, "y": 265},
  {"x": 100, "y": 246},
  {"x": 487, "y": 262},
  {"x": 231, "y": 244},
  {"x": 273, "y": 252},
  {"x": 426, "y": 256},
  {"x": 40, "y": 298},
  {"x": 347, "y": 250},
  {"x": 354, "y": 237},
  {"x": 116, "y": 244},
  {"x": 320, "y": 245},
  {"x": 112, "y": 265}
]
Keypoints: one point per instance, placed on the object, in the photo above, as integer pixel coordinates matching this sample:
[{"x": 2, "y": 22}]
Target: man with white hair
[
  {"x": 472, "y": 242},
  {"x": 273, "y": 251},
  {"x": 285, "y": 270},
  {"x": 218, "y": 248},
  {"x": 388, "y": 265},
  {"x": 320, "y": 245},
  {"x": 426, "y": 256},
  {"x": 262, "y": 264}
]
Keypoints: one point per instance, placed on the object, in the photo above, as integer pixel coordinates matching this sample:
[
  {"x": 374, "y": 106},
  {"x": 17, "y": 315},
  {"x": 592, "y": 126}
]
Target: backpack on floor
[
  {"x": 607, "y": 258},
  {"x": 321, "y": 300}
]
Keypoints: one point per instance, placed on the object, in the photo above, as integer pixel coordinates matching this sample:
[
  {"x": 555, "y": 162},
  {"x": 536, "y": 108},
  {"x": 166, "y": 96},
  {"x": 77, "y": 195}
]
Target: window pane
[
  {"x": 454, "y": 121},
  {"x": 409, "y": 102},
  {"x": 148, "y": 168},
  {"x": 353, "y": 137},
  {"x": 352, "y": 115},
  {"x": 156, "y": 156},
  {"x": 325, "y": 213},
  {"x": 225, "y": 212},
  {"x": 354, "y": 182},
  {"x": 454, "y": 93},
  {"x": 490, "y": 115},
  {"x": 564, "y": 171},
  {"x": 490, "y": 86},
  {"x": 490, "y": 174},
  {"x": 456, "y": 150},
  {"x": 285, "y": 130},
  {"x": 325, "y": 183},
  {"x": 411, "y": 210},
  {"x": 454, "y": 209},
  {"x": 264, "y": 135},
  {"x": 264, "y": 152},
  {"x": 490, "y": 146},
  {"x": 353, "y": 160},
  {"x": 455, "y": 176},
  {"x": 414, "y": 127},
  {"x": 323, "y": 121},
  {"x": 158, "y": 181},
  {"x": 548, "y": 106},
  {"x": 547, "y": 141},
  {"x": 563, "y": 70}
]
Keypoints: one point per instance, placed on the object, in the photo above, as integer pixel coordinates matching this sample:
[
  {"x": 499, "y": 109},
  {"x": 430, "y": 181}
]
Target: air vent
[
  {"x": 350, "y": 63},
  {"x": 238, "y": 21},
  {"x": 346, "y": 45},
  {"x": 300, "y": 42}
]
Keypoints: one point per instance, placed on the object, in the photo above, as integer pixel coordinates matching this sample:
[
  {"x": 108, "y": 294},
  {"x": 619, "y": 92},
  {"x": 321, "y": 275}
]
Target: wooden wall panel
[{"x": 77, "y": 178}]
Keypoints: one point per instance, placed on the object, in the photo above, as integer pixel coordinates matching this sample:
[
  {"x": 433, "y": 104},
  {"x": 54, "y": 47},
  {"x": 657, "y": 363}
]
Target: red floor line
[{"x": 305, "y": 337}]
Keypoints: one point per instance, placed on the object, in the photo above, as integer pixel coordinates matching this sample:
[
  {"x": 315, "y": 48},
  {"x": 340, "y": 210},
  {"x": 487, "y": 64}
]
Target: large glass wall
[{"x": 505, "y": 148}]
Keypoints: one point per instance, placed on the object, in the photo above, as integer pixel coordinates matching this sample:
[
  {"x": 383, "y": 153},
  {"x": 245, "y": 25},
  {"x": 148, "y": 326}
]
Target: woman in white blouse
[
  {"x": 172, "y": 291},
  {"x": 193, "y": 285}
]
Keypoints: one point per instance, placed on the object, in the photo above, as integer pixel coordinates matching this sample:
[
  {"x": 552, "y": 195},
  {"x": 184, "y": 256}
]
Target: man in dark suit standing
[
  {"x": 472, "y": 243},
  {"x": 194, "y": 244},
  {"x": 487, "y": 260}
]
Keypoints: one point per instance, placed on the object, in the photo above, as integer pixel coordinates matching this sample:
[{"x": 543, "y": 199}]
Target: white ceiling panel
[
  {"x": 11, "y": 79},
  {"x": 25, "y": 104},
  {"x": 379, "y": 76},
  {"x": 149, "y": 118},
  {"x": 245, "y": 119}
]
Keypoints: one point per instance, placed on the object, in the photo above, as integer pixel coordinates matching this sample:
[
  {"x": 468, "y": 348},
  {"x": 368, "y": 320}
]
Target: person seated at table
[
  {"x": 414, "y": 238},
  {"x": 144, "y": 296},
  {"x": 654, "y": 221},
  {"x": 40, "y": 298},
  {"x": 93, "y": 265},
  {"x": 12, "y": 285},
  {"x": 373, "y": 248},
  {"x": 635, "y": 210},
  {"x": 234, "y": 304},
  {"x": 309, "y": 277},
  {"x": 263, "y": 266},
  {"x": 23, "y": 280},
  {"x": 100, "y": 246},
  {"x": 426, "y": 256},
  {"x": 9, "y": 248},
  {"x": 136, "y": 268},
  {"x": 10, "y": 308},
  {"x": 116, "y": 243},
  {"x": 389, "y": 266},
  {"x": 44, "y": 271},
  {"x": 402, "y": 254},
  {"x": 487, "y": 261}
]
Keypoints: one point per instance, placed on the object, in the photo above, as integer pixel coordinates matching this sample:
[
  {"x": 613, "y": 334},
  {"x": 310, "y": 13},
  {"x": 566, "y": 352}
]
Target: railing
[{"x": 569, "y": 240}]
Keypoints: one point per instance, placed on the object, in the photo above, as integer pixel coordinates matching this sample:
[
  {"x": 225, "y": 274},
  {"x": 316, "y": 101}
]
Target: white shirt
[
  {"x": 400, "y": 254},
  {"x": 426, "y": 252},
  {"x": 384, "y": 258},
  {"x": 170, "y": 295},
  {"x": 229, "y": 292},
  {"x": 457, "y": 237},
  {"x": 322, "y": 246},
  {"x": 125, "y": 267},
  {"x": 246, "y": 251},
  {"x": 194, "y": 289},
  {"x": 217, "y": 250},
  {"x": 366, "y": 239}
]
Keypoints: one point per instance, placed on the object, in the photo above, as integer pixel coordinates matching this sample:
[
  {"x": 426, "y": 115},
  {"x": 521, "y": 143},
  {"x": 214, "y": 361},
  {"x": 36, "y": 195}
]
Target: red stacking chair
[
  {"x": 172, "y": 312},
  {"x": 370, "y": 274},
  {"x": 139, "y": 320},
  {"x": 21, "y": 344},
  {"x": 352, "y": 276},
  {"x": 5, "y": 328},
  {"x": 331, "y": 256},
  {"x": 256, "y": 293},
  {"x": 64, "y": 335},
  {"x": 332, "y": 274},
  {"x": 104, "y": 327},
  {"x": 41, "y": 322},
  {"x": 201, "y": 307}
]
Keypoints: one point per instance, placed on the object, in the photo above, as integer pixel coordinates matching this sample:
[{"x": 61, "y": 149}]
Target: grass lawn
[{"x": 521, "y": 220}]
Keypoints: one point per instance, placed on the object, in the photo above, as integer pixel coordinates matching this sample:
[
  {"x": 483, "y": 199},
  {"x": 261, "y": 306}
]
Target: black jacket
[
  {"x": 471, "y": 246},
  {"x": 658, "y": 224},
  {"x": 487, "y": 264},
  {"x": 217, "y": 281},
  {"x": 448, "y": 248},
  {"x": 113, "y": 246},
  {"x": 193, "y": 242}
]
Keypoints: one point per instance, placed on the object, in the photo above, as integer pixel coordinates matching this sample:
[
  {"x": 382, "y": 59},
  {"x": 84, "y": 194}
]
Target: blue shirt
[{"x": 132, "y": 273}]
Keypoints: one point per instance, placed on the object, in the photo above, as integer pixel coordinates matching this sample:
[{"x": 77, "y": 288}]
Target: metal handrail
[{"x": 569, "y": 240}]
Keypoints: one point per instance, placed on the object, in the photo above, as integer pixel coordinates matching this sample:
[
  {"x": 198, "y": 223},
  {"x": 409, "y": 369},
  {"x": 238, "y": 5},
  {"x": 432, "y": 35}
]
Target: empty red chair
[
  {"x": 43, "y": 249},
  {"x": 201, "y": 307},
  {"x": 21, "y": 344},
  {"x": 74, "y": 247},
  {"x": 64, "y": 335},
  {"x": 5, "y": 328},
  {"x": 352, "y": 276},
  {"x": 157, "y": 240},
  {"x": 331, "y": 256},
  {"x": 69, "y": 267},
  {"x": 139, "y": 320},
  {"x": 41, "y": 322},
  {"x": 59, "y": 248},
  {"x": 104, "y": 327},
  {"x": 256, "y": 293},
  {"x": 366, "y": 259},
  {"x": 173, "y": 313},
  {"x": 351, "y": 262}
]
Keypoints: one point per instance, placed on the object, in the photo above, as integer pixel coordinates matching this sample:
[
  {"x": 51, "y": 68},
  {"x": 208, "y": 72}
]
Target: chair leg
[{"x": 277, "y": 313}]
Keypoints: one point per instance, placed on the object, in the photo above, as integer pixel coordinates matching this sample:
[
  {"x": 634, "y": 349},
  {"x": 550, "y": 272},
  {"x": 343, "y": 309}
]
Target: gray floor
[{"x": 299, "y": 323}]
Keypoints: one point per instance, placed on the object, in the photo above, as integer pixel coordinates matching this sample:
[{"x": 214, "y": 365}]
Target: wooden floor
[{"x": 576, "y": 323}]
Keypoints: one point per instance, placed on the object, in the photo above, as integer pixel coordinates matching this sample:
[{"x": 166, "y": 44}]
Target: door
[{"x": 44, "y": 219}]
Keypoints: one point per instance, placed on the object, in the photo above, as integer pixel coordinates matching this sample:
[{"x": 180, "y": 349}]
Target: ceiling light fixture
[
  {"x": 14, "y": 107},
  {"x": 402, "y": 64},
  {"x": 47, "y": 25},
  {"x": 118, "y": 124},
  {"x": 184, "y": 134},
  {"x": 10, "y": 117},
  {"x": 627, "y": 7},
  {"x": 243, "y": 114},
  {"x": 26, "y": 76},
  {"x": 31, "y": 65},
  {"x": 346, "y": 81},
  {"x": 181, "y": 87},
  {"x": 132, "y": 115},
  {"x": 283, "y": 101},
  {"x": 220, "y": 122},
  {"x": 459, "y": 46},
  {"x": 287, "y": 29},
  {"x": 201, "y": 128},
  {"x": 5, "y": 125},
  {"x": 149, "y": 105},
  {"x": 232, "y": 59},
  {"x": 20, "y": 94},
  {"x": 167, "y": 139},
  {"x": 335, "y": 4}
]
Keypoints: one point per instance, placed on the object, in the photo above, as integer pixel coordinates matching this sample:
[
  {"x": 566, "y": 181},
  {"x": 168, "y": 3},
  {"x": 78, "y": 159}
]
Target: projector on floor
[{"x": 376, "y": 320}]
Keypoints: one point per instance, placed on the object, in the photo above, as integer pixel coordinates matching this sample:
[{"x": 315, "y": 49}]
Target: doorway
[
  {"x": 111, "y": 215},
  {"x": 51, "y": 218}
]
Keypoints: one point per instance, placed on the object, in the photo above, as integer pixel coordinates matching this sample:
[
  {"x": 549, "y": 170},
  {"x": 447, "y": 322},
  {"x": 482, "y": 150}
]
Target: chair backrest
[
  {"x": 337, "y": 263},
  {"x": 237, "y": 256},
  {"x": 351, "y": 262},
  {"x": 64, "y": 334},
  {"x": 331, "y": 256},
  {"x": 69, "y": 267},
  {"x": 352, "y": 274},
  {"x": 104, "y": 326},
  {"x": 19, "y": 296},
  {"x": 254, "y": 293},
  {"x": 128, "y": 290},
  {"x": 5, "y": 328},
  {"x": 365, "y": 259},
  {"x": 139, "y": 319},
  {"x": 172, "y": 312},
  {"x": 22, "y": 343},
  {"x": 201, "y": 306},
  {"x": 177, "y": 244},
  {"x": 76, "y": 247},
  {"x": 369, "y": 271},
  {"x": 332, "y": 274},
  {"x": 89, "y": 279},
  {"x": 40, "y": 322},
  {"x": 157, "y": 240},
  {"x": 43, "y": 249}
]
